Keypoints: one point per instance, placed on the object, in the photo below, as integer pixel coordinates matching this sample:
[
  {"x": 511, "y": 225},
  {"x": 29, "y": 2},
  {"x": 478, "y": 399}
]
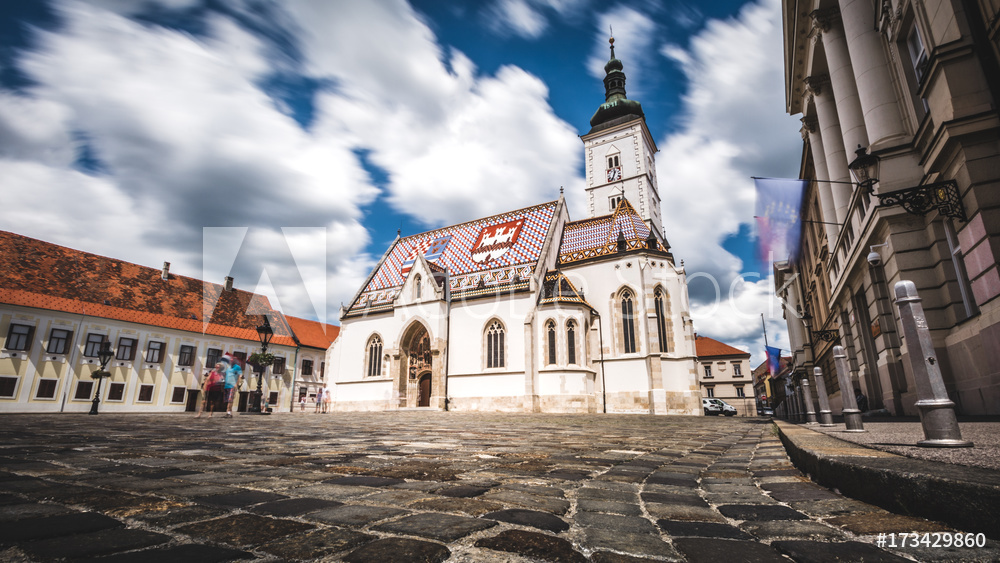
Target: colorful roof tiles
[
  {"x": 557, "y": 289},
  {"x": 482, "y": 256},
  {"x": 599, "y": 236},
  {"x": 39, "y": 274}
]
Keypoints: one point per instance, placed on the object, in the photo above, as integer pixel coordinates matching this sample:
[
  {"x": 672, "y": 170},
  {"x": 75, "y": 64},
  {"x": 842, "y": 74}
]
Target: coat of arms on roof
[
  {"x": 494, "y": 241},
  {"x": 431, "y": 249}
]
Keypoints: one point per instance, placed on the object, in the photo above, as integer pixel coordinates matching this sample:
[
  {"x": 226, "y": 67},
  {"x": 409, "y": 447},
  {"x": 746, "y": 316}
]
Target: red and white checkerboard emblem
[{"x": 493, "y": 242}]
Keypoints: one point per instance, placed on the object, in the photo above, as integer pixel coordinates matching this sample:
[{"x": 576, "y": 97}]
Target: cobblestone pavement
[{"x": 426, "y": 486}]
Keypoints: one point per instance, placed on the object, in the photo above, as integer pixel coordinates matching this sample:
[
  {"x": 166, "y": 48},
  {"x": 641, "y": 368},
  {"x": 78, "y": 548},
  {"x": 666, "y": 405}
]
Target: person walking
[
  {"x": 319, "y": 400},
  {"x": 326, "y": 402},
  {"x": 212, "y": 388},
  {"x": 233, "y": 381}
]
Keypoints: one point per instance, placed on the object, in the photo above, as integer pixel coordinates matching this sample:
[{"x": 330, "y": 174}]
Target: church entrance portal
[{"x": 419, "y": 367}]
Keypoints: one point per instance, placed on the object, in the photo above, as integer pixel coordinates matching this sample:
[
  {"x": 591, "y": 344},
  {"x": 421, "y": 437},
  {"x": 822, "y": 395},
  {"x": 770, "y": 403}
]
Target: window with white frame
[
  {"x": 154, "y": 352},
  {"x": 740, "y": 392},
  {"x": 628, "y": 322},
  {"x": 571, "y": 342},
  {"x": 737, "y": 370},
  {"x": 186, "y": 355},
  {"x": 708, "y": 371},
  {"x": 19, "y": 337},
  {"x": 550, "y": 332},
  {"x": 126, "y": 348},
  {"x": 59, "y": 341},
  {"x": 710, "y": 391},
  {"x": 495, "y": 345},
  {"x": 374, "y": 357},
  {"x": 661, "y": 319},
  {"x": 93, "y": 346}
]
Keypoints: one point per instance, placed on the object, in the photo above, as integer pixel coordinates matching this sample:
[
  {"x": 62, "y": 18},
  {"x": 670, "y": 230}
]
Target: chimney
[
  {"x": 165, "y": 275},
  {"x": 229, "y": 283}
]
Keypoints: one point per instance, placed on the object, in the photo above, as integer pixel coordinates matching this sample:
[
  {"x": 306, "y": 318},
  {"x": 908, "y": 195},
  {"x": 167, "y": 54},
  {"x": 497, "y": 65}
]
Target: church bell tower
[{"x": 620, "y": 153}]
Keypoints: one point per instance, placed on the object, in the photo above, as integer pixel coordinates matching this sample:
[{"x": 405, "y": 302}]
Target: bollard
[
  {"x": 825, "y": 416},
  {"x": 852, "y": 416},
  {"x": 937, "y": 411},
  {"x": 808, "y": 400}
]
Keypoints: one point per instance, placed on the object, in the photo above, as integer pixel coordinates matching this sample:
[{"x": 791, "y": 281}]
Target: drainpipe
[
  {"x": 604, "y": 389},
  {"x": 447, "y": 335}
]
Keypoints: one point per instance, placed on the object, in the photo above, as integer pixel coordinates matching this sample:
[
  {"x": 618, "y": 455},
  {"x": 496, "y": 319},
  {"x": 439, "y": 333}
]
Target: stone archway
[{"x": 417, "y": 361}]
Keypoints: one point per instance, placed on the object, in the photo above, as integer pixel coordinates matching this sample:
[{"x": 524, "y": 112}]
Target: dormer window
[{"x": 615, "y": 200}]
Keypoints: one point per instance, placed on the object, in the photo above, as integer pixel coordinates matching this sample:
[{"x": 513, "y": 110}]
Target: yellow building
[{"x": 58, "y": 306}]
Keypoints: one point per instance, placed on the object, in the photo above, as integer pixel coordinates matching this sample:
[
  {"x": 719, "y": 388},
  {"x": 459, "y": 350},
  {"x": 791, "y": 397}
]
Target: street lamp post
[
  {"x": 105, "y": 356},
  {"x": 264, "y": 332}
]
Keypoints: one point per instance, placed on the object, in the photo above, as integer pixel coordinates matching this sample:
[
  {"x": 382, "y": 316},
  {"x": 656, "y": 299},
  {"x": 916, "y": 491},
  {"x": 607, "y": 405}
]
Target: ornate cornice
[
  {"x": 823, "y": 20},
  {"x": 814, "y": 84}
]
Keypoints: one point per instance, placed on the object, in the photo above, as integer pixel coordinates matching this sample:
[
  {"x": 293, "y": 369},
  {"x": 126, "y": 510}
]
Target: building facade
[
  {"x": 59, "y": 306},
  {"x": 724, "y": 373},
  {"x": 916, "y": 85},
  {"x": 528, "y": 310}
]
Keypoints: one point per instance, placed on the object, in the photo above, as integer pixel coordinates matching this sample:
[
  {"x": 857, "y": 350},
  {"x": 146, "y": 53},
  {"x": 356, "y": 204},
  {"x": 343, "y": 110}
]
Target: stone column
[
  {"x": 871, "y": 72},
  {"x": 836, "y": 157},
  {"x": 807, "y": 396},
  {"x": 937, "y": 412},
  {"x": 852, "y": 416},
  {"x": 825, "y": 416},
  {"x": 811, "y": 133},
  {"x": 845, "y": 90}
]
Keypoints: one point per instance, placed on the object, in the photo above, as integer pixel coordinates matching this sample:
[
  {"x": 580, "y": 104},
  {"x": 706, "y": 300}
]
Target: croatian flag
[
  {"x": 777, "y": 213},
  {"x": 773, "y": 360}
]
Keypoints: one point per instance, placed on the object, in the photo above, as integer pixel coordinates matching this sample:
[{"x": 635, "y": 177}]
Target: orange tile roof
[
  {"x": 39, "y": 274},
  {"x": 706, "y": 347},
  {"x": 313, "y": 333}
]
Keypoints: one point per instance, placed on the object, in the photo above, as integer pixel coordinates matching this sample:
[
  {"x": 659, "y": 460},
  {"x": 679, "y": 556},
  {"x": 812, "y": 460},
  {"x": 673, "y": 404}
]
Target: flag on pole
[
  {"x": 777, "y": 213},
  {"x": 773, "y": 360}
]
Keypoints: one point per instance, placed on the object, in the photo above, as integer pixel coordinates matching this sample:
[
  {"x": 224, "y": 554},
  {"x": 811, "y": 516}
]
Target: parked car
[
  {"x": 766, "y": 411},
  {"x": 711, "y": 409},
  {"x": 714, "y": 407}
]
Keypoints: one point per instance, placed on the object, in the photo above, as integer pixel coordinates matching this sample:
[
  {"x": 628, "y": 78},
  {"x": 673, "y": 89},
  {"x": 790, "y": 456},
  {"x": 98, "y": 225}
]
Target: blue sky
[{"x": 306, "y": 132}]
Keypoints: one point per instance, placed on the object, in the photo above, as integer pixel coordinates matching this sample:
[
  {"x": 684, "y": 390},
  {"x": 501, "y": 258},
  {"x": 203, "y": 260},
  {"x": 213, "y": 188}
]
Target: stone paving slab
[{"x": 425, "y": 486}]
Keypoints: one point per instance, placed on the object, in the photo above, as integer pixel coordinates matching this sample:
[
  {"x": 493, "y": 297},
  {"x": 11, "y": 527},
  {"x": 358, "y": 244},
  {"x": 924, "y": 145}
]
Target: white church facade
[{"x": 528, "y": 311}]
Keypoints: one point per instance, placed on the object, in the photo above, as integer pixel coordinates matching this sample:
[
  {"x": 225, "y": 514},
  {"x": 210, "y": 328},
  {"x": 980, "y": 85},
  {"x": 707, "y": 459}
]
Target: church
[{"x": 530, "y": 311}]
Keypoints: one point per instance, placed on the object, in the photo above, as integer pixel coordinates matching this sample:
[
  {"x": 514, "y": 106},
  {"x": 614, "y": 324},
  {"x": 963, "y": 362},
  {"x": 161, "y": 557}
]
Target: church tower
[{"x": 619, "y": 153}]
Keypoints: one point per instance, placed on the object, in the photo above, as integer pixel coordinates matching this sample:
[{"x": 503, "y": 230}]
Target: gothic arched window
[
  {"x": 628, "y": 322},
  {"x": 661, "y": 319},
  {"x": 494, "y": 345},
  {"x": 550, "y": 329},
  {"x": 571, "y": 342},
  {"x": 374, "y": 357}
]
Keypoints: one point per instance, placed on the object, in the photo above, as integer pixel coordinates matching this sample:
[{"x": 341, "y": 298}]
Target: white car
[{"x": 715, "y": 407}]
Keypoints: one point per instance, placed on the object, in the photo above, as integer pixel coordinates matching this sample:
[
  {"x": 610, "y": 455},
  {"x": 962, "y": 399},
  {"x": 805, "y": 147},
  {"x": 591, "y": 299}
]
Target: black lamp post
[
  {"x": 105, "y": 357},
  {"x": 864, "y": 168},
  {"x": 265, "y": 332},
  {"x": 918, "y": 200}
]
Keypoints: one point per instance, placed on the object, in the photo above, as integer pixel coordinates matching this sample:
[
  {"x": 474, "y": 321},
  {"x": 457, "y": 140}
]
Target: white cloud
[
  {"x": 445, "y": 135},
  {"x": 186, "y": 139},
  {"x": 527, "y": 18},
  {"x": 733, "y": 128},
  {"x": 635, "y": 32}
]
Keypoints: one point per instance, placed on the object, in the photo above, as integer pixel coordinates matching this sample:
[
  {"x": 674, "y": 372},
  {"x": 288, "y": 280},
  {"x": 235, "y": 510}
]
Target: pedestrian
[
  {"x": 302, "y": 403},
  {"x": 319, "y": 400},
  {"x": 861, "y": 399},
  {"x": 212, "y": 389},
  {"x": 234, "y": 379},
  {"x": 326, "y": 402}
]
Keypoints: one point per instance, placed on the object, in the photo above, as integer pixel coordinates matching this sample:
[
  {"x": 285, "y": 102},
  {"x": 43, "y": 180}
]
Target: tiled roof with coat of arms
[{"x": 496, "y": 253}]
